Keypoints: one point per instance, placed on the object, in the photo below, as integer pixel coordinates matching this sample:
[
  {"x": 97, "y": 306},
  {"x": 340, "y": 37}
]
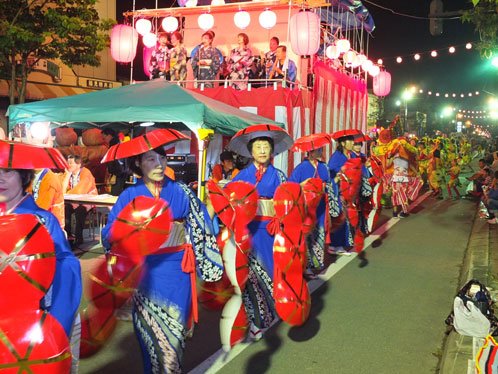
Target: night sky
[{"x": 397, "y": 35}]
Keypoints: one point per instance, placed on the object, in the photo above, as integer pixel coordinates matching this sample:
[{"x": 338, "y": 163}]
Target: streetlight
[{"x": 407, "y": 95}]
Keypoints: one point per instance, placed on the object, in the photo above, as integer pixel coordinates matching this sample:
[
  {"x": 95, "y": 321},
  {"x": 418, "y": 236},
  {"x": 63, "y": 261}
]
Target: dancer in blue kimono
[
  {"x": 313, "y": 167},
  {"x": 342, "y": 237},
  {"x": 258, "y": 294},
  {"x": 62, "y": 298},
  {"x": 164, "y": 305}
]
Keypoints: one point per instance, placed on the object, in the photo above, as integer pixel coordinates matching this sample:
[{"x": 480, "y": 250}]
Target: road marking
[{"x": 220, "y": 358}]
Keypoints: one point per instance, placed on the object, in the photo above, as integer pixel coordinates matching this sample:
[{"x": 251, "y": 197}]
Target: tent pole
[{"x": 203, "y": 136}]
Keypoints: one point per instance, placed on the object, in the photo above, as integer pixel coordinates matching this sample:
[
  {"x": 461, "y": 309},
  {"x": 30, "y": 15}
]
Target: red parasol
[
  {"x": 15, "y": 155},
  {"x": 143, "y": 143},
  {"x": 310, "y": 142},
  {"x": 349, "y": 132},
  {"x": 282, "y": 140}
]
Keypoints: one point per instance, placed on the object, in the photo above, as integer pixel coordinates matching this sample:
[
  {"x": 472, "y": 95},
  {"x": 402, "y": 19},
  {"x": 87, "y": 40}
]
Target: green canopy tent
[
  {"x": 152, "y": 101},
  {"x": 155, "y": 101}
]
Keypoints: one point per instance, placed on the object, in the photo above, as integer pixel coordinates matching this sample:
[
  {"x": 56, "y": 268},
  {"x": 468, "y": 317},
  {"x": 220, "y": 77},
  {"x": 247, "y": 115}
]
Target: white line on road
[{"x": 220, "y": 358}]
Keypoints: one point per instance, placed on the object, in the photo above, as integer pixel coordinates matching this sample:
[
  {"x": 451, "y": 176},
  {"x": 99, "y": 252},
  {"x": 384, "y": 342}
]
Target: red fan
[
  {"x": 97, "y": 325},
  {"x": 27, "y": 262},
  {"x": 141, "y": 227},
  {"x": 281, "y": 139},
  {"x": 113, "y": 281},
  {"x": 33, "y": 342},
  {"x": 214, "y": 295}
]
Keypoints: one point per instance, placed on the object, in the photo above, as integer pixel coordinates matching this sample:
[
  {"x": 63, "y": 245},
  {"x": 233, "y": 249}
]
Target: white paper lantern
[
  {"x": 361, "y": 58},
  {"x": 374, "y": 70},
  {"x": 305, "y": 33},
  {"x": 149, "y": 40},
  {"x": 217, "y": 2},
  {"x": 143, "y": 26},
  {"x": 267, "y": 19},
  {"x": 124, "y": 40},
  {"x": 169, "y": 24},
  {"x": 191, "y": 4},
  {"x": 349, "y": 57},
  {"x": 367, "y": 65},
  {"x": 343, "y": 45},
  {"x": 332, "y": 52},
  {"x": 242, "y": 19},
  {"x": 205, "y": 21}
]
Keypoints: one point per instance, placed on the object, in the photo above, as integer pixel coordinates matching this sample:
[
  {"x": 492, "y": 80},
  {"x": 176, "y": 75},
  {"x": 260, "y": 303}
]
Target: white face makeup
[{"x": 261, "y": 152}]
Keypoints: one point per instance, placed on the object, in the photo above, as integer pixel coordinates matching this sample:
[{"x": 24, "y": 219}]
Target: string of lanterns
[{"x": 434, "y": 53}]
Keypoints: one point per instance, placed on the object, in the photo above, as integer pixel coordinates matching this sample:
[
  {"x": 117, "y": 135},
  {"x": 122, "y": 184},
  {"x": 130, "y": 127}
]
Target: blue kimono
[
  {"x": 64, "y": 295},
  {"x": 164, "y": 296},
  {"x": 315, "y": 241},
  {"x": 342, "y": 236},
  {"x": 258, "y": 294}
]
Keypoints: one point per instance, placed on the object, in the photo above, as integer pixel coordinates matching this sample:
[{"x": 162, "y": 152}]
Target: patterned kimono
[
  {"x": 258, "y": 294},
  {"x": 178, "y": 63},
  {"x": 159, "y": 63},
  {"x": 163, "y": 301},
  {"x": 209, "y": 71},
  {"x": 238, "y": 65},
  {"x": 63, "y": 297},
  {"x": 315, "y": 241},
  {"x": 342, "y": 236}
]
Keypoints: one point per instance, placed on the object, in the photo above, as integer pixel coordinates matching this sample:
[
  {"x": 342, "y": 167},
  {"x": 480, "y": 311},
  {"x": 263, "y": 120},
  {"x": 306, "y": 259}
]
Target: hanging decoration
[
  {"x": 242, "y": 19},
  {"x": 143, "y": 26},
  {"x": 205, "y": 21},
  {"x": 382, "y": 84},
  {"x": 149, "y": 39},
  {"x": 170, "y": 24},
  {"x": 217, "y": 2},
  {"x": 267, "y": 19},
  {"x": 305, "y": 33},
  {"x": 343, "y": 45},
  {"x": 124, "y": 40}
]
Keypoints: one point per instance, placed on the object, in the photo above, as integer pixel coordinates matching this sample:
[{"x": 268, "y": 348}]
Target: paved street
[{"x": 385, "y": 318}]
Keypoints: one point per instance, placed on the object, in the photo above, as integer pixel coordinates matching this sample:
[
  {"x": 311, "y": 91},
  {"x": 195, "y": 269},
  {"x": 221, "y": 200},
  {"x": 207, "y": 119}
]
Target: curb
[{"x": 479, "y": 263}]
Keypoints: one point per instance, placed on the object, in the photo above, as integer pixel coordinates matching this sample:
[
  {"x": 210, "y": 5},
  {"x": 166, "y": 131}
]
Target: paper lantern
[
  {"x": 305, "y": 33},
  {"x": 332, "y": 52},
  {"x": 242, "y": 19},
  {"x": 267, "y": 19},
  {"x": 143, "y": 26},
  {"x": 149, "y": 39},
  {"x": 191, "y": 3},
  {"x": 374, "y": 70},
  {"x": 382, "y": 84},
  {"x": 217, "y": 2},
  {"x": 349, "y": 57},
  {"x": 343, "y": 45},
  {"x": 169, "y": 24},
  {"x": 361, "y": 58},
  {"x": 33, "y": 342},
  {"x": 124, "y": 40},
  {"x": 367, "y": 65},
  {"x": 205, "y": 21}
]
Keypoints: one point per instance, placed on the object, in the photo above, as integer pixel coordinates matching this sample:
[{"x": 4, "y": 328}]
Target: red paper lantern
[
  {"x": 33, "y": 342},
  {"x": 27, "y": 262},
  {"x": 124, "y": 40},
  {"x": 382, "y": 84},
  {"x": 113, "y": 281},
  {"x": 141, "y": 227},
  {"x": 97, "y": 325},
  {"x": 305, "y": 33}
]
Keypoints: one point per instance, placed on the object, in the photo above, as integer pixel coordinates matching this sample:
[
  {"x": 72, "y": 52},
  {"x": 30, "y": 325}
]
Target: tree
[
  {"x": 484, "y": 16},
  {"x": 30, "y": 30}
]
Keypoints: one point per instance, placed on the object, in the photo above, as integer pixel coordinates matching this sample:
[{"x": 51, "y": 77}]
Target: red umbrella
[
  {"x": 15, "y": 155},
  {"x": 349, "y": 132},
  {"x": 143, "y": 143},
  {"x": 281, "y": 139},
  {"x": 310, "y": 142}
]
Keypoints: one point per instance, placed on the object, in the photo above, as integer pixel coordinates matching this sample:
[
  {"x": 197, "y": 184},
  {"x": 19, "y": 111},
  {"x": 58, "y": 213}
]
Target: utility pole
[{"x": 437, "y": 15}]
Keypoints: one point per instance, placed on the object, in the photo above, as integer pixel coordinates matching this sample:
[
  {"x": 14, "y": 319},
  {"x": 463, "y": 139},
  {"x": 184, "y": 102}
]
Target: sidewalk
[{"x": 480, "y": 262}]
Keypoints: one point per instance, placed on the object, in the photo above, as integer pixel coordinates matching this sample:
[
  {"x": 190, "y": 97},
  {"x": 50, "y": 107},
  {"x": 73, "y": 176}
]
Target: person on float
[
  {"x": 314, "y": 167},
  {"x": 283, "y": 67},
  {"x": 178, "y": 58},
  {"x": 257, "y": 296},
  {"x": 206, "y": 60},
  {"x": 77, "y": 180},
  {"x": 268, "y": 58},
  {"x": 226, "y": 169},
  {"x": 239, "y": 62},
  {"x": 164, "y": 303},
  {"x": 341, "y": 238},
  {"x": 159, "y": 61},
  {"x": 63, "y": 296}
]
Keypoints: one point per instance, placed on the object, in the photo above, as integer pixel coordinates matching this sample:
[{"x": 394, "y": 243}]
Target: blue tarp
[{"x": 347, "y": 15}]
